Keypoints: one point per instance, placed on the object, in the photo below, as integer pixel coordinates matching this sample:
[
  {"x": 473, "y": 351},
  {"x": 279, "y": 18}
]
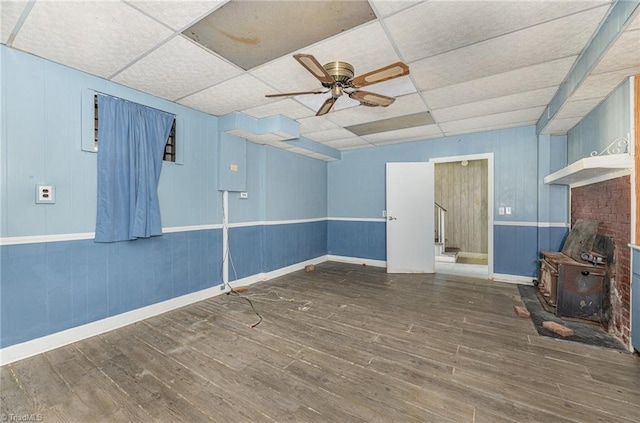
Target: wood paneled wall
[{"x": 462, "y": 190}]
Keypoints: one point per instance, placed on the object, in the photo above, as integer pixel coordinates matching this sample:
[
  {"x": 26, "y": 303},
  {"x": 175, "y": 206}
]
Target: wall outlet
[
  {"x": 45, "y": 194},
  {"x": 507, "y": 210},
  {"x": 244, "y": 195}
]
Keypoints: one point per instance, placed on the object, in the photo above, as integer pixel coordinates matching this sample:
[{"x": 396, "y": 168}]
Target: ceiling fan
[{"x": 337, "y": 78}]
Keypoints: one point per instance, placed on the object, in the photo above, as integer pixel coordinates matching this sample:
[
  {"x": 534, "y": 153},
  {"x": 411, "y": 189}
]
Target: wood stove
[{"x": 574, "y": 282}]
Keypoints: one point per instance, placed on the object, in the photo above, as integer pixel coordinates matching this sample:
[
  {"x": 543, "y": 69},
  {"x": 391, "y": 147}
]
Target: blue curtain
[{"x": 131, "y": 141}]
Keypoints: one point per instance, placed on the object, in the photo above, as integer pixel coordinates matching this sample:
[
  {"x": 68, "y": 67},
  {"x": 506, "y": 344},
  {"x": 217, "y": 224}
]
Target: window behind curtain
[{"x": 169, "y": 148}]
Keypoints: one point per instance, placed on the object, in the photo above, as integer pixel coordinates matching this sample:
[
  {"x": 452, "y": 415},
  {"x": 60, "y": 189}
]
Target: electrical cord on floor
[
  {"x": 236, "y": 293},
  {"x": 227, "y": 256},
  {"x": 306, "y": 305}
]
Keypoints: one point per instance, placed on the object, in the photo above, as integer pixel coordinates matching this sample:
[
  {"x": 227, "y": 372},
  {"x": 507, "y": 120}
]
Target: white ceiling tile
[
  {"x": 544, "y": 75},
  {"x": 389, "y": 7},
  {"x": 411, "y": 139},
  {"x": 177, "y": 69},
  {"x": 561, "y": 126},
  {"x": 437, "y": 26},
  {"x": 366, "y": 48},
  {"x": 492, "y": 121},
  {"x": 329, "y": 135},
  {"x": 404, "y": 105},
  {"x": 517, "y": 101},
  {"x": 491, "y": 128},
  {"x": 418, "y": 132},
  {"x": 176, "y": 13},
  {"x": 286, "y": 75},
  {"x": 314, "y": 102},
  {"x": 349, "y": 142},
  {"x": 239, "y": 93},
  {"x": 602, "y": 84},
  {"x": 624, "y": 54},
  {"x": 315, "y": 124},
  {"x": 580, "y": 108},
  {"x": 10, "y": 12},
  {"x": 287, "y": 107},
  {"x": 542, "y": 43},
  {"x": 96, "y": 37}
]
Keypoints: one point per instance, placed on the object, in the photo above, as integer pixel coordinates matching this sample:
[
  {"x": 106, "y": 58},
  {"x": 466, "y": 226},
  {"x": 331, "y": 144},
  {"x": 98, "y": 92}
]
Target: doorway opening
[{"x": 463, "y": 215}]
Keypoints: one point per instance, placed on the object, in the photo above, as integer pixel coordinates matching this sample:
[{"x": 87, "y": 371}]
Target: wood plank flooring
[{"x": 342, "y": 344}]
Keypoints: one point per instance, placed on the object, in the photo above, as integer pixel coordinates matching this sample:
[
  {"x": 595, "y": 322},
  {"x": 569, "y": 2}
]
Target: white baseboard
[
  {"x": 357, "y": 260},
  {"x": 28, "y": 349},
  {"x": 517, "y": 279}
]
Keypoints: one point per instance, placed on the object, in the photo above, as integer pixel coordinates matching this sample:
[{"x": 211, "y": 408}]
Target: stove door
[{"x": 580, "y": 292}]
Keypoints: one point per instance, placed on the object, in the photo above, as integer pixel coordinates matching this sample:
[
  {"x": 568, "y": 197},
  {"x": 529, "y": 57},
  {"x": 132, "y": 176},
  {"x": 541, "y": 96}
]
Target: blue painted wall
[
  {"x": 51, "y": 286},
  {"x": 553, "y": 200},
  {"x": 607, "y": 122},
  {"x": 41, "y": 132},
  {"x": 295, "y": 186},
  {"x": 357, "y": 182},
  {"x": 357, "y": 190},
  {"x": 358, "y": 239}
]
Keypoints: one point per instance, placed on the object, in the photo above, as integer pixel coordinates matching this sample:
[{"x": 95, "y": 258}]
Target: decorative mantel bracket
[{"x": 613, "y": 162}]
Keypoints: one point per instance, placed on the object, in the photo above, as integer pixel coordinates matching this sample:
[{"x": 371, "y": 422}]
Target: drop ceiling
[{"x": 475, "y": 65}]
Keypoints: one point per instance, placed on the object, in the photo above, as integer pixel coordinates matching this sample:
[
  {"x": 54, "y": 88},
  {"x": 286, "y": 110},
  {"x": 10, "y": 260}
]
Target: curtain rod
[{"x": 134, "y": 102}]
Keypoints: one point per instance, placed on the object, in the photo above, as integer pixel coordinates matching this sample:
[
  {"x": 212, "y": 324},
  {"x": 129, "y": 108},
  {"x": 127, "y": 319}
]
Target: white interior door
[{"x": 410, "y": 230}]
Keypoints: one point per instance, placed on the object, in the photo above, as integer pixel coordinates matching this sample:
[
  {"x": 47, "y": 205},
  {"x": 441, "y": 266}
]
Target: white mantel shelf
[{"x": 591, "y": 170}]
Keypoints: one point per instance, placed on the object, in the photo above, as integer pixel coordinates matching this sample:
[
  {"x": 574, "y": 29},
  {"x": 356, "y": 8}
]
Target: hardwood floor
[{"x": 342, "y": 344}]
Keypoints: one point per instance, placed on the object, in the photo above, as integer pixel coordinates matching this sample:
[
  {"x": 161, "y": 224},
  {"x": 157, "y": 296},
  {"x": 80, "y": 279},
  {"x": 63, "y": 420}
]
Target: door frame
[{"x": 490, "y": 201}]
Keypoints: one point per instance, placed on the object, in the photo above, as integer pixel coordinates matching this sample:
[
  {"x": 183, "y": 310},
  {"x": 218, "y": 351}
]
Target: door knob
[{"x": 392, "y": 218}]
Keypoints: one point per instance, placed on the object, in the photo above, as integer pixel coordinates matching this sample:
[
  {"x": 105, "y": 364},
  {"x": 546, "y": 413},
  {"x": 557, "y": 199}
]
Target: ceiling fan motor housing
[{"x": 341, "y": 72}]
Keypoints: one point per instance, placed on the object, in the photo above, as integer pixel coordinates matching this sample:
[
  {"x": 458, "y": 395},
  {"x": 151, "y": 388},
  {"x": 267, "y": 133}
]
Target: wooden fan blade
[
  {"x": 372, "y": 99},
  {"x": 312, "y": 65},
  {"x": 296, "y": 93},
  {"x": 326, "y": 106},
  {"x": 394, "y": 70}
]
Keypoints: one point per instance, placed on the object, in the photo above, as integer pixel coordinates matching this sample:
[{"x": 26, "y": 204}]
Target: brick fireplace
[{"x": 609, "y": 203}]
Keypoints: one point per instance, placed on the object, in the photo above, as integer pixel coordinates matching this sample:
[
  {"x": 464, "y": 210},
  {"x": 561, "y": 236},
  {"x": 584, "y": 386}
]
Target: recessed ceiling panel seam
[
  {"x": 491, "y": 128},
  {"x": 142, "y": 56},
  {"x": 394, "y": 45},
  {"x": 20, "y": 22},
  {"x": 555, "y": 86},
  {"x": 510, "y": 70},
  {"x": 508, "y": 33},
  {"x": 147, "y": 15},
  {"x": 215, "y": 84}
]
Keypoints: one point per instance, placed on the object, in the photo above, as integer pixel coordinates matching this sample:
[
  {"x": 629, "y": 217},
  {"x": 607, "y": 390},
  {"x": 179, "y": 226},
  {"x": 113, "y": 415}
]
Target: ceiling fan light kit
[{"x": 338, "y": 78}]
